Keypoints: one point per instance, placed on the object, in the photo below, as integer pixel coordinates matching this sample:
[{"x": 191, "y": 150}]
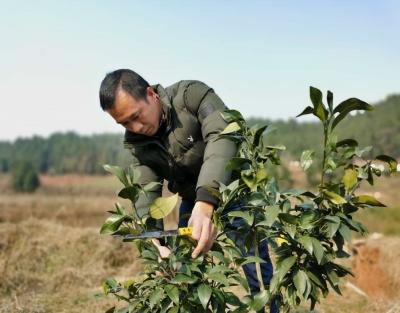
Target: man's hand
[
  {"x": 164, "y": 251},
  {"x": 204, "y": 231}
]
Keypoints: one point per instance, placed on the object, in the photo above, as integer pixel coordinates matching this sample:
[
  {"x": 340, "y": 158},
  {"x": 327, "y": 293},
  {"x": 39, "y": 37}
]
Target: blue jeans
[{"x": 230, "y": 229}]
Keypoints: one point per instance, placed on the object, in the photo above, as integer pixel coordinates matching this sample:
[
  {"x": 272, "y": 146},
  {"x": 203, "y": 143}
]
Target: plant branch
[{"x": 258, "y": 265}]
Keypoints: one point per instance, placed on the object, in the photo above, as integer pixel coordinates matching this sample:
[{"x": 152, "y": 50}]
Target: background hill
[{"x": 63, "y": 153}]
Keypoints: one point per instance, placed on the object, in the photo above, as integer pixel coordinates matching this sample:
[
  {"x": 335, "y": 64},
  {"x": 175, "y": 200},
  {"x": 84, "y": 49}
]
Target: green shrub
[
  {"x": 306, "y": 230},
  {"x": 24, "y": 177}
]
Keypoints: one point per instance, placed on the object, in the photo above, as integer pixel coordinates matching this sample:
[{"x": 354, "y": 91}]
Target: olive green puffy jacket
[{"x": 184, "y": 151}]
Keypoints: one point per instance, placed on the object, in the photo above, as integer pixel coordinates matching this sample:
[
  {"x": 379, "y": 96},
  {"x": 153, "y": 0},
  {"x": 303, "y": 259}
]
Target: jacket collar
[{"x": 165, "y": 120}]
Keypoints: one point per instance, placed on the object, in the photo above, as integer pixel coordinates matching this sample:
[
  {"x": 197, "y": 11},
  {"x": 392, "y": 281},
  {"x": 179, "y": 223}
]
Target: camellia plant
[{"x": 307, "y": 230}]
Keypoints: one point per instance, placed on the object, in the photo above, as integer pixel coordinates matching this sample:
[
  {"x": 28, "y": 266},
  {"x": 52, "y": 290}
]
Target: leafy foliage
[
  {"x": 25, "y": 177},
  {"x": 176, "y": 283},
  {"x": 306, "y": 230}
]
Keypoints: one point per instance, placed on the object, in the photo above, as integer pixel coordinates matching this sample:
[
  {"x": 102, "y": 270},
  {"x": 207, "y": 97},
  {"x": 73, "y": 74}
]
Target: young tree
[
  {"x": 24, "y": 177},
  {"x": 307, "y": 230}
]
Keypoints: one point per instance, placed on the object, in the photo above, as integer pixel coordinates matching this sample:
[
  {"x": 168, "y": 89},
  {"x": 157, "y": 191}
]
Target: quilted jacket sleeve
[{"x": 208, "y": 106}]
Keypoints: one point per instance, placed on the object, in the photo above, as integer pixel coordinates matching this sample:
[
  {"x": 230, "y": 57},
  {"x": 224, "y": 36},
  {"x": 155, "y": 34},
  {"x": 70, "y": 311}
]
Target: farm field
[{"x": 53, "y": 259}]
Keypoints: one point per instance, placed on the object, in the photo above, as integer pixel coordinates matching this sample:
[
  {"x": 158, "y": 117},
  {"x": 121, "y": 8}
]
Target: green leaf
[
  {"x": 271, "y": 213},
  {"x": 125, "y": 230},
  {"x": 149, "y": 254},
  {"x": 163, "y": 206},
  {"x": 117, "y": 171},
  {"x": 134, "y": 174},
  {"x": 345, "y": 232},
  {"x": 291, "y": 229},
  {"x": 319, "y": 108},
  {"x": 232, "y": 299},
  {"x": 204, "y": 293},
  {"x": 232, "y": 116},
  {"x": 173, "y": 293},
  {"x": 334, "y": 197},
  {"x": 306, "y": 159},
  {"x": 174, "y": 309},
  {"x": 152, "y": 186},
  {"x": 128, "y": 283},
  {"x": 219, "y": 277},
  {"x": 332, "y": 225},
  {"x": 260, "y": 300},
  {"x": 120, "y": 209},
  {"x": 288, "y": 218},
  {"x": 349, "y": 178},
  {"x": 112, "y": 223},
  {"x": 232, "y": 127},
  {"x": 334, "y": 279},
  {"x": 315, "y": 96},
  {"x": 258, "y": 135},
  {"x": 347, "y": 142},
  {"x": 284, "y": 266},
  {"x": 306, "y": 242},
  {"x": 274, "y": 284},
  {"x": 347, "y": 106},
  {"x": 300, "y": 281},
  {"x": 131, "y": 192},
  {"x": 329, "y": 99},
  {"x": 315, "y": 278},
  {"x": 257, "y": 199},
  {"x": 249, "y": 218},
  {"x": 369, "y": 200},
  {"x": 237, "y": 163},
  {"x": 390, "y": 161},
  {"x": 318, "y": 249},
  {"x": 249, "y": 180},
  {"x": 333, "y": 219},
  {"x": 308, "y": 218},
  {"x": 182, "y": 278},
  {"x": 252, "y": 259},
  {"x": 156, "y": 296},
  {"x": 220, "y": 256},
  {"x": 261, "y": 175},
  {"x": 109, "y": 284},
  {"x": 321, "y": 112},
  {"x": 307, "y": 110},
  {"x": 352, "y": 104}
]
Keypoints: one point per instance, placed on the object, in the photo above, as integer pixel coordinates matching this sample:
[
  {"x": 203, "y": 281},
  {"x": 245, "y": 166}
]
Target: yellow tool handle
[{"x": 185, "y": 231}]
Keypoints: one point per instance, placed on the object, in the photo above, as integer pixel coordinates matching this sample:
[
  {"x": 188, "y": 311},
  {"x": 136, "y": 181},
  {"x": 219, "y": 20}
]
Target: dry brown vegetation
[{"x": 52, "y": 258}]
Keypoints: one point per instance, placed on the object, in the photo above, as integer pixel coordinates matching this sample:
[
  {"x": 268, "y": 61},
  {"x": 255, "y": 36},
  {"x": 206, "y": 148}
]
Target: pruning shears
[{"x": 181, "y": 231}]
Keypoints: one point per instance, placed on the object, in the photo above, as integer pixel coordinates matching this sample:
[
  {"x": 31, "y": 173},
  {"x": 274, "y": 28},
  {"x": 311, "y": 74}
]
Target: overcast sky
[{"x": 259, "y": 56}]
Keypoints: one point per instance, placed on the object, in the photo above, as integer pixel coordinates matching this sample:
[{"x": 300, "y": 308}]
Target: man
[{"x": 172, "y": 134}]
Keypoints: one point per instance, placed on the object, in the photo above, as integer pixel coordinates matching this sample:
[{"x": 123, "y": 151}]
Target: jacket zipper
[{"x": 170, "y": 159}]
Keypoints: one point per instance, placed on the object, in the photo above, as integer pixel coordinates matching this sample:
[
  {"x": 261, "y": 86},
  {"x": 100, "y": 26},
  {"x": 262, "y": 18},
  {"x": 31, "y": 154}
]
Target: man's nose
[{"x": 136, "y": 127}]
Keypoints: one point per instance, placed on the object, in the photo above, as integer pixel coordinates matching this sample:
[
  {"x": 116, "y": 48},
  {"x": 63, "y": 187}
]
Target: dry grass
[
  {"x": 48, "y": 267},
  {"x": 52, "y": 258}
]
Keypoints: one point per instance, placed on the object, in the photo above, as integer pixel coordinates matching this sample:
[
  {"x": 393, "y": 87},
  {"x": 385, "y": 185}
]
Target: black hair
[{"x": 127, "y": 80}]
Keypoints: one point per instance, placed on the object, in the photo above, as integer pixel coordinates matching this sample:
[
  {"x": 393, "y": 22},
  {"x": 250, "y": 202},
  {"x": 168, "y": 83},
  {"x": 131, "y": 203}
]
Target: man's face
[{"x": 137, "y": 116}]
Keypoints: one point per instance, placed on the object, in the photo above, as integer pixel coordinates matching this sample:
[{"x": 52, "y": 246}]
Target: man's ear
[{"x": 150, "y": 92}]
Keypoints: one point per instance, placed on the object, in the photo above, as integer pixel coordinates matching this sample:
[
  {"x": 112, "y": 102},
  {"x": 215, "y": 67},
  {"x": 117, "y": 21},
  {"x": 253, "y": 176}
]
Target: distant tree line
[{"x": 63, "y": 153}]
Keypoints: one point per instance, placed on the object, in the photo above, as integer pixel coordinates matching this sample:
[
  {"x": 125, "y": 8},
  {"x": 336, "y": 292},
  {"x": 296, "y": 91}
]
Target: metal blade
[{"x": 150, "y": 234}]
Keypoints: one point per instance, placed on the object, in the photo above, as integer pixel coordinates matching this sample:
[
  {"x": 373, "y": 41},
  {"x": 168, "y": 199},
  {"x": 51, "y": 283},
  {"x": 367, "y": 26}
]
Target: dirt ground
[{"x": 53, "y": 259}]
